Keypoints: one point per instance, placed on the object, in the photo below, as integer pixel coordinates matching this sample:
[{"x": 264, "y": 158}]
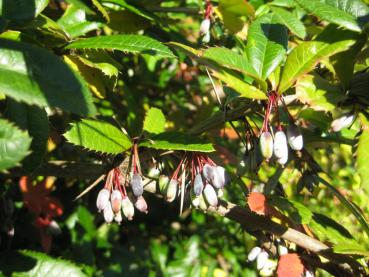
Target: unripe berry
[
  {"x": 280, "y": 144},
  {"x": 171, "y": 192},
  {"x": 195, "y": 200},
  {"x": 163, "y": 184},
  {"x": 127, "y": 208},
  {"x": 198, "y": 184},
  {"x": 262, "y": 259},
  {"x": 254, "y": 253},
  {"x": 116, "y": 200},
  {"x": 205, "y": 26},
  {"x": 266, "y": 145},
  {"x": 102, "y": 199},
  {"x": 137, "y": 185},
  {"x": 342, "y": 122},
  {"x": 203, "y": 206},
  {"x": 294, "y": 137},
  {"x": 141, "y": 204},
  {"x": 108, "y": 213},
  {"x": 210, "y": 195}
]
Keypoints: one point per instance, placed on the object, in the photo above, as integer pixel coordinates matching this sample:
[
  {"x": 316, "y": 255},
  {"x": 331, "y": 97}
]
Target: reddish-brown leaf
[
  {"x": 290, "y": 265},
  {"x": 258, "y": 203}
]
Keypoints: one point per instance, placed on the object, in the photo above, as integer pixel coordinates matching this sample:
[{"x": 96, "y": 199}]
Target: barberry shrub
[{"x": 190, "y": 138}]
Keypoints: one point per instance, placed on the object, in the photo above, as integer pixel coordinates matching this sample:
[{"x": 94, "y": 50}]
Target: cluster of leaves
[{"x": 75, "y": 71}]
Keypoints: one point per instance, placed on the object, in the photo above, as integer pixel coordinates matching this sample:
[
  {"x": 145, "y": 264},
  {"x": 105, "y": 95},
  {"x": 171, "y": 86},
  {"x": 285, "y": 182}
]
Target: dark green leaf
[
  {"x": 98, "y": 136},
  {"x": 36, "y": 76},
  {"x": 293, "y": 209},
  {"x": 290, "y": 21},
  {"x": 20, "y": 10}
]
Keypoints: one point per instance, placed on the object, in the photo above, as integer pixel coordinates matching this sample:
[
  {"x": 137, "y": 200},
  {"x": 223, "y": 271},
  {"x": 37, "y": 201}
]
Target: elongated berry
[
  {"x": 266, "y": 145},
  {"x": 208, "y": 172},
  {"x": 102, "y": 199},
  {"x": 342, "y": 122},
  {"x": 163, "y": 184},
  {"x": 108, "y": 213},
  {"x": 127, "y": 208},
  {"x": 198, "y": 184},
  {"x": 205, "y": 26},
  {"x": 280, "y": 144},
  {"x": 221, "y": 177},
  {"x": 210, "y": 195},
  {"x": 141, "y": 204},
  {"x": 137, "y": 185},
  {"x": 171, "y": 192},
  {"x": 254, "y": 253},
  {"x": 116, "y": 200},
  {"x": 294, "y": 137},
  {"x": 262, "y": 259}
]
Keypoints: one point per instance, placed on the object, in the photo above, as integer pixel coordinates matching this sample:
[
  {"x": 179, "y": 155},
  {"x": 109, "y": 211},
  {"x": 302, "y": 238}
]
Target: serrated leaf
[
  {"x": 330, "y": 14},
  {"x": 35, "y": 76},
  {"x": 290, "y": 21},
  {"x": 14, "y": 145},
  {"x": 293, "y": 209},
  {"x": 266, "y": 45},
  {"x": 32, "y": 263},
  {"x": 34, "y": 120},
  {"x": 245, "y": 90},
  {"x": 126, "y": 43},
  {"x": 318, "y": 93},
  {"x": 154, "y": 122},
  {"x": 178, "y": 141},
  {"x": 20, "y": 10},
  {"x": 101, "y": 9},
  {"x": 306, "y": 55},
  {"x": 98, "y": 136},
  {"x": 362, "y": 153},
  {"x": 102, "y": 61}
]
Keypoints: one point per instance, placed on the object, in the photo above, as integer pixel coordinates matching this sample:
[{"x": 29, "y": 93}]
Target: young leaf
[
  {"x": 31, "y": 263},
  {"x": 36, "y": 76},
  {"x": 178, "y": 141},
  {"x": 290, "y": 21},
  {"x": 98, "y": 136},
  {"x": 330, "y": 14},
  {"x": 14, "y": 145},
  {"x": 127, "y": 43},
  {"x": 267, "y": 44},
  {"x": 154, "y": 122},
  {"x": 363, "y": 154}
]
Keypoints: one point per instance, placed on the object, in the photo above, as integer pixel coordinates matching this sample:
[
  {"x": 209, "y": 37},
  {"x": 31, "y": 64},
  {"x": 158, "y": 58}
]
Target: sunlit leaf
[{"x": 154, "y": 122}]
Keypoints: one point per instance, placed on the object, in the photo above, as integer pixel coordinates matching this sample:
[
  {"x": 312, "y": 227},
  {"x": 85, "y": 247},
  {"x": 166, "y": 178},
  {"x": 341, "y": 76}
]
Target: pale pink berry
[
  {"x": 141, "y": 204},
  {"x": 254, "y": 253},
  {"x": 342, "y": 122},
  {"x": 116, "y": 200},
  {"x": 127, "y": 208},
  {"x": 137, "y": 185},
  {"x": 280, "y": 144},
  {"x": 108, "y": 213},
  {"x": 210, "y": 195},
  {"x": 205, "y": 26},
  {"x": 266, "y": 145},
  {"x": 198, "y": 184},
  {"x": 294, "y": 137},
  {"x": 118, "y": 217},
  {"x": 262, "y": 259},
  {"x": 208, "y": 172},
  {"x": 102, "y": 199},
  {"x": 220, "y": 178}
]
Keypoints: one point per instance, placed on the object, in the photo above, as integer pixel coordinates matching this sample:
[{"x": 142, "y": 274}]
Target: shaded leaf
[
  {"x": 20, "y": 10},
  {"x": 154, "y": 122},
  {"x": 98, "y": 136},
  {"x": 293, "y": 209},
  {"x": 178, "y": 141},
  {"x": 127, "y": 43},
  {"x": 14, "y": 145},
  {"x": 290, "y": 21},
  {"x": 35, "y": 76}
]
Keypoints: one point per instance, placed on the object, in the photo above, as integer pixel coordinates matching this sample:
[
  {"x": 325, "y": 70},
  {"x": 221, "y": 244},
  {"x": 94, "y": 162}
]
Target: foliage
[{"x": 116, "y": 88}]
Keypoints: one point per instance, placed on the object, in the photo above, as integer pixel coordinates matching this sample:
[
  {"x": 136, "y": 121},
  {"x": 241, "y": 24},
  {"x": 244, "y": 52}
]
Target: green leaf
[
  {"x": 362, "y": 154},
  {"x": 245, "y": 90},
  {"x": 293, "y": 209},
  {"x": 232, "y": 11},
  {"x": 32, "y": 263},
  {"x": 154, "y": 122},
  {"x": 34, "y": 120},
  {"x": 14, "y": 145},
  {"x": 98, "y": 136},
  {"x": 127, "y": 43},
  {"x": 306, "y": 55},
  {"x": 356, "y": 8},
  {"x": 318, "y": 93},
  {"x": 35, "y": 76},
  {"x": 178, "y": 141},
  {"x": 290, "y": 21},
  {"x": 349, "y": 247},
  {"x": 20, "y": 10},
  {"x": 266, "y": 45},
  {"x": 138, "y": 11},
  {"x": 330, "y": 14},
  {"x": 101, "y": 9}
]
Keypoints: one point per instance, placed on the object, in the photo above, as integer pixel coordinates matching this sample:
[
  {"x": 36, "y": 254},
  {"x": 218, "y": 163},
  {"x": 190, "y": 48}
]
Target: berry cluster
[{"x": 205, "y": 23}]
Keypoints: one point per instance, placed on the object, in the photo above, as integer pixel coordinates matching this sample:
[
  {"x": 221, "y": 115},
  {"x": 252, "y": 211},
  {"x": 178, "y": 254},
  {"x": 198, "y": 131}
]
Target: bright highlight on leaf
[{"x": 154, "y": 122}]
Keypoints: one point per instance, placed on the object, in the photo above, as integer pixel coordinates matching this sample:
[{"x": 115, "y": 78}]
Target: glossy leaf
[
  {"x": 14, "y": 145},
  {"x": 36, "y": 76},
  {"x": 178, "y": 141},
  {"x": 98, "y": 136},
  {"x": 266, "y": 45},
  {"x": 127, "y": 43},
  {"x": 20, "y": 10},
  {"x": 290, "y": 21},
  {"x": 154, "y": 122},
  {"x": 31, "y": 263},
  {"x": 330, "y": 14},
  {"x": 356, "y": 8}
]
